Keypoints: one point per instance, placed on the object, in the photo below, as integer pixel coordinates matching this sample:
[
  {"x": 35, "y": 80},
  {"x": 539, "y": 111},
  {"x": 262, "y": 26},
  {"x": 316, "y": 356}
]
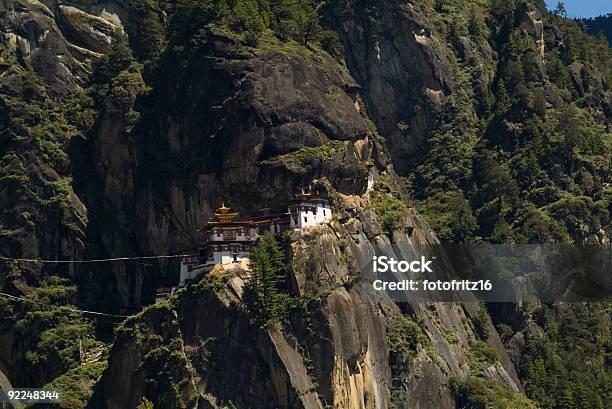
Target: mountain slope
[{"x": 125, "y": 124}]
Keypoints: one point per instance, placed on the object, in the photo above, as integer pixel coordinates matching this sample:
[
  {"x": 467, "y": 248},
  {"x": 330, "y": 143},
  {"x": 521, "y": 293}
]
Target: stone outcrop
[
  {"x": 335, "y": 352},
  {"x": 404, "y": 69},
  {"x": 58, "y": 41}
]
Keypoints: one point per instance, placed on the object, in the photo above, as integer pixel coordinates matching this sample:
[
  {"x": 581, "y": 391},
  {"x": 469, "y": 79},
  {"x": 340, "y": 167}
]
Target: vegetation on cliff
[
  {"x": 597, "y": 26},
  {"x": 519, "y": 152},
  {"x": 289, "y": 20},
  {"x": 477, "y": 393},
  {"x": 35, "y": 168},
  {"x": 525, "y": 158},
  {"x": 52, "y": 333},
  {"x": 567, "y": 365},
  {"x": 388, "y": 206},
  {"x": 267, "y": 295},
  {"x": 77, "y": 385}
]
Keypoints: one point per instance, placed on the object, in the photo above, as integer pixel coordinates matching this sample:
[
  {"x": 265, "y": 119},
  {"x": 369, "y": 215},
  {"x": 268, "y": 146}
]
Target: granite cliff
[
  {"x": 333, "y": 351},
  {"x": 126, "y": 123}
]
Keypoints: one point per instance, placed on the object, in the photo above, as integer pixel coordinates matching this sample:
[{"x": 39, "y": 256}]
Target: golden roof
[{"x": 223, "y": 214}]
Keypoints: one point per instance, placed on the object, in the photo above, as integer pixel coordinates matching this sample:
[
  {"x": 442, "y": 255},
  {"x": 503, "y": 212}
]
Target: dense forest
[
  {"x": 518, "y": 150},
  {"x": 597, "y": 26}
]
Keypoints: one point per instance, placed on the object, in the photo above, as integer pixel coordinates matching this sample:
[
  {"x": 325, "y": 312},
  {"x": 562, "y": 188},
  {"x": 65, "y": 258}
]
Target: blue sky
[{"x": 584, "y": 8}]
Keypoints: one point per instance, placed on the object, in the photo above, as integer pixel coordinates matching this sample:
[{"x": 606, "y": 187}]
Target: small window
[
  {"x": 323, "y": 212},
  {"x": 305, "y": 219}
]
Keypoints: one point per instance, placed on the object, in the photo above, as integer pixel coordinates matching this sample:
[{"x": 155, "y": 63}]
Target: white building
[
  {"x": 309, "y": 209},
  {"x": 227, "y": 241},
  {"x": 230, "y": 241}
]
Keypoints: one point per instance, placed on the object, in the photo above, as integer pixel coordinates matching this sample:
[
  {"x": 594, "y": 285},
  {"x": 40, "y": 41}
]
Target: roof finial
[{"x": 223, "y": 214}]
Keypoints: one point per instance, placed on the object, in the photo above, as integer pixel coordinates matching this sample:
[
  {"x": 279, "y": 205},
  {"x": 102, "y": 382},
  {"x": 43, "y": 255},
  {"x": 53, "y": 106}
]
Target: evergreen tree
[
  {"x": 267, "y": 295},
  {"x": 560, "y": 9},
  {"x": 248, "y": 17},
  {"x": 116, "y": 60},
  {"x": 475, "y": 23}
]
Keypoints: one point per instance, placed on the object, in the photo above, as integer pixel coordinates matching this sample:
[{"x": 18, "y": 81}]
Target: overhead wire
[
  {"x": 101, "y": 260},
  {"x": 98, "y": 260},
  {"x": 62, "y": 307}
]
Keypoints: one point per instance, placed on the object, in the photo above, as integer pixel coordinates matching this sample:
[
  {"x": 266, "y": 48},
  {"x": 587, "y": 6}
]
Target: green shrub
[
  {"x": 56, "y": 331},
  {"x": 450, "y": 215},
  {"x": 481, "y": 323},
  {"x": 76, "y": 385},
  {"x": 483, "y": 353},
  {"x": 477, "y": 393},
  {"x": 387, "y": 206},
  {"x": 405, "y": 337}
]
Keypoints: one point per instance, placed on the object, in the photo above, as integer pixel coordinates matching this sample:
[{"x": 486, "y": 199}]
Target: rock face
[
  {"x": 58, "y": 41},
  {"x": 404, "y": 69},
  {"x": 61, "y": 40},
  {"x": 334, "y": 352},
  {"x": 247, "y": 128},
  {"x": 46, "y": 54}
]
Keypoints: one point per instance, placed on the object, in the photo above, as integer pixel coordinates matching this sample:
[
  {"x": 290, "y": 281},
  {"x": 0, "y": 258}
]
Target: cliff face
[
  {"x": 59, "y": 40},
  {"x": 242, "y": 126},
  {"x": 405, "y": 70},
  {"x": 97, "y": 165},
  {"x": 200, "y": 347},
  {"x": 47, "y": 53}
]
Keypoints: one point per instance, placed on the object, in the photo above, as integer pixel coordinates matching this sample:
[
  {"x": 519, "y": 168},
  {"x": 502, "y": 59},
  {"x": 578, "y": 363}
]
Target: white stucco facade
[
  {"x": 227, "y": 241},
  {"x": 309, "y": 214},
  {"x": 370, "y": 180},
  {"x": 190, "y": 268}
]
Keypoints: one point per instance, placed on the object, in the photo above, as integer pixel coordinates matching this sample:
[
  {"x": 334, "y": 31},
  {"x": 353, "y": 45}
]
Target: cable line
[
  {"x": 63, "y": 307},
  {"x": 99, "y": 260}
]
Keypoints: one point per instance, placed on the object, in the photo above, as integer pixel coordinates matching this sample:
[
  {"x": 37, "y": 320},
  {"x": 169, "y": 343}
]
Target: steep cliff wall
[
  {"x": 244, "y": 126},
  {"x": 405, "y": 68},
  {"x": 202, "y": 347},
  {"x": 131, "y": 155}
]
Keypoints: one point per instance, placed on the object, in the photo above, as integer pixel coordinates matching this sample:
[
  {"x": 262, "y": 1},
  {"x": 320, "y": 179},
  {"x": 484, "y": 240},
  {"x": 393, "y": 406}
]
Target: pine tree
[
  {"x": 116, "y": 60},
  {"x": 306, "y": 22},
  {"x": 560, "y": 10},
  {"x": 267, "y": 296},
  {"x": 503, "y": 99},
  {"x": 249, "y": 18}
]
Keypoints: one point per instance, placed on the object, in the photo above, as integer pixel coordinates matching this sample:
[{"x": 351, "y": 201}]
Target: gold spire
[{"x": 223, "y": 214}]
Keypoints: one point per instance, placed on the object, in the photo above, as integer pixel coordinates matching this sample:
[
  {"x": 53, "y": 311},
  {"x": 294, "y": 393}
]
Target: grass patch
[{"x": 299, "y": 160}]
